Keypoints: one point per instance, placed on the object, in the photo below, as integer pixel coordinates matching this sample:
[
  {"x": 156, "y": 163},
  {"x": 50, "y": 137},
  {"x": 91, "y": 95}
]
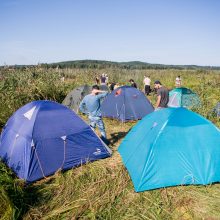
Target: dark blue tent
[
  {"x": 43, "y": 137},
  {"x": 126, "y": 103}
]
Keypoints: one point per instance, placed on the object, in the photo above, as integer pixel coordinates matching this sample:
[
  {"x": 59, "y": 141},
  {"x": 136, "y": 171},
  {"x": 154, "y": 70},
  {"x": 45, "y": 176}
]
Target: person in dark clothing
[
  {"x": 162, "y": 95},
  {"x": 103, "y": 79},
  {"x": 133, "y": 84},
  {"x": 112, "y": 85}
]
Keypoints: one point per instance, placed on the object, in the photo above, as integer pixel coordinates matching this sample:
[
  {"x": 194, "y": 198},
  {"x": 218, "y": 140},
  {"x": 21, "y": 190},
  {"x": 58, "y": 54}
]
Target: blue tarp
[
  {"x": 126, "y": 103},
  {"x": 43, "y": 137},
  {"x": 172, "y": 146}
]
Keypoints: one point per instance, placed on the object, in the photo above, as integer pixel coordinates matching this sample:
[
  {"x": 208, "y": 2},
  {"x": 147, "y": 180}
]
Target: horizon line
[{"x": 78, "y": 60}]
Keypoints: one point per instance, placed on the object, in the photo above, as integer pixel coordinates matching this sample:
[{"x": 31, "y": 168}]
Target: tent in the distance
[
  {"x": 43, "y": 137},
  {"x": 172, "y": 146},
  {"x": 74, "y": 98},
  {"x": 183, "y": 97},
  {"x": 126, "y": 103}
]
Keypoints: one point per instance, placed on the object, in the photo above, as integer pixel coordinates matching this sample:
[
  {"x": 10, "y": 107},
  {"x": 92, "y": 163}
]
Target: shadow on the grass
[
  {"x": 115, "y": 137},
  {"x": 20, "y": 196}
]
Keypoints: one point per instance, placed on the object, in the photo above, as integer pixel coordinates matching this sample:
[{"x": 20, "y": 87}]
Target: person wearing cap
[{"x": 162, "y": 95}]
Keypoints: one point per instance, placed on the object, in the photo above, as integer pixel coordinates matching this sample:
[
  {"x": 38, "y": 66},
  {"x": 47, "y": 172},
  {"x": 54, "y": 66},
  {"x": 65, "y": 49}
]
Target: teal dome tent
[
  {"x": 172, "y": 146},
  {"x": 183, "y": 97}
]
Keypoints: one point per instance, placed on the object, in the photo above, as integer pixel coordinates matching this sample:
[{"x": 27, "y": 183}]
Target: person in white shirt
[
  {"x": 147, "y": 85},
  {"x": 106, "y": 79},
  {"x": 178, "y": 81}
]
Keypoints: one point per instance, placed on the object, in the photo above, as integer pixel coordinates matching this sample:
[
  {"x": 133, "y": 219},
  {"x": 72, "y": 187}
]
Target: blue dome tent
[
  {"x": 43, "y": 137},
  {"x": 172, "y": 146},
  {"x": 183, "y": 97},
  {"x": 126, "y": 103}
]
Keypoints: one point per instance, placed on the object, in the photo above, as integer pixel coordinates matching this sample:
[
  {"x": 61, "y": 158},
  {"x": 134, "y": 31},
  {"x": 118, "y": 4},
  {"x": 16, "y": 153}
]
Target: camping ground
[{"x": 103, "y": 189}]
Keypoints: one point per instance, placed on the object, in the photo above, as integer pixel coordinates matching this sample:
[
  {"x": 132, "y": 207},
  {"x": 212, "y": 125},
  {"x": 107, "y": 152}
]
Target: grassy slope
[{"x": 103, "y": 189}]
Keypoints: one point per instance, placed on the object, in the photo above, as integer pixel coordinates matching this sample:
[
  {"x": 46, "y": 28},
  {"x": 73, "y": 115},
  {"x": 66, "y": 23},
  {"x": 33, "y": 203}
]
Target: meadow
[{"x": 102, "y": 189}]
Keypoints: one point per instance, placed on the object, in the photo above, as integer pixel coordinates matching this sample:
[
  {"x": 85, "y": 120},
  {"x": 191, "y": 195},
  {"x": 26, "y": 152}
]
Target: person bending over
[
  {"x": 133, "y": 84},
  {"x": 162, "y": 95}
]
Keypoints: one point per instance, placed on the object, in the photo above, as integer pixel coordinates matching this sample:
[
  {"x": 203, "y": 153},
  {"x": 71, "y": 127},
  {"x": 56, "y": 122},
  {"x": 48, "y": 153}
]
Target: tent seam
[{"x": 161, "y": 130}]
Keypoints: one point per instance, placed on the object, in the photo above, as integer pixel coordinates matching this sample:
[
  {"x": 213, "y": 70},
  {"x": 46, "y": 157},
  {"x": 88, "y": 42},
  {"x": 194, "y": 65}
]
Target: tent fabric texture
[
  {"x": 183, "y": 97},
  {"x": 216, "y": 110},
  {"x": 172, "y": 146},
  {"x": 43, "y": 137},
  {"x": 74, "y": 98},
  {"x": 126, "y": 103}
]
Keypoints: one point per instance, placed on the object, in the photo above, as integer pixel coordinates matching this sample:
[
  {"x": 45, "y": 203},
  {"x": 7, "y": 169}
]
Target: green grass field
[{"x": 102, "y": 189}]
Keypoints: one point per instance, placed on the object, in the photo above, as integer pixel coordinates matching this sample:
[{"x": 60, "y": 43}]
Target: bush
[{"x": 20, "y": 87}]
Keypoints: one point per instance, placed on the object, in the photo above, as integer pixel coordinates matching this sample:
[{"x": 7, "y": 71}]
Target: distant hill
[{"x": 101, "y": 64}]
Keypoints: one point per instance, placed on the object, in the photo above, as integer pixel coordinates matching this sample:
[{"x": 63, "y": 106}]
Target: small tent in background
[
  {"x": 43, "y": 137},
  {"x": 126, "y": 103},
  {"x": 183, "y": 97},
  {"x": 216, "y": 110},
  {"x": 74, "y": 98},
  {"x": 172, "y": 146}
]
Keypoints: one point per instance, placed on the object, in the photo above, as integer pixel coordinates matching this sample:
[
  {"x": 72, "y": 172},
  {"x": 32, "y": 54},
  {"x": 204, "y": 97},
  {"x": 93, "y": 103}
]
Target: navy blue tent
[
  {"x": 43, "y": 137},
  {"x": 126, "y": 103}
]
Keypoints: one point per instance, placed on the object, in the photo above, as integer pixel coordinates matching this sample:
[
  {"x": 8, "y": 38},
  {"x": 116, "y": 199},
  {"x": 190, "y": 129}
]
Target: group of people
[
  {"x": 102, "y": 80},
  {"x": 147, "y": 82},
  {"x": 91, "y": 104}
]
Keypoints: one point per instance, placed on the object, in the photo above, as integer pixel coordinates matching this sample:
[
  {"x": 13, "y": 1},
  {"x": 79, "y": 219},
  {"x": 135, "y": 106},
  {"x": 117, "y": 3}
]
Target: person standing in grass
[
  {"x": 90, "y": 105},
  {"x": 112, "y": 85},
  {"x": 103, "y": 79},
  {"x": 178, "y": 82},
  {"x": 106, "y": 79},
  {"x": 97, "y": 80},
  {"x": 133, "y": 84},
  {"x": 162, "y": 95},
  {"x": 147, "y": 85}
]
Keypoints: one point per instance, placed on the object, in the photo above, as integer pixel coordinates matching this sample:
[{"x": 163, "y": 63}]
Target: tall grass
[{"x": 103, "y": 189}]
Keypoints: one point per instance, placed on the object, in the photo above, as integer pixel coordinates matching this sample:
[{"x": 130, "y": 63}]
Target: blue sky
[{"x": 154, "y": 31}]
